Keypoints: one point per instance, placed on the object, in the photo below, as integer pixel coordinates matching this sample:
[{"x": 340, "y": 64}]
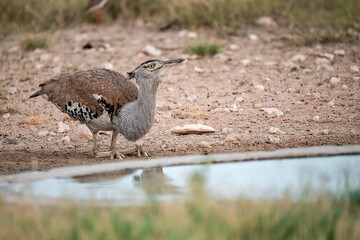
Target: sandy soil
[{"x": 230, "y": 95}]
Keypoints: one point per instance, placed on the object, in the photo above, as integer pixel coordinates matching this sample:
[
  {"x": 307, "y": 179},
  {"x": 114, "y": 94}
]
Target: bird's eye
[{"x": 151, "y": 66}]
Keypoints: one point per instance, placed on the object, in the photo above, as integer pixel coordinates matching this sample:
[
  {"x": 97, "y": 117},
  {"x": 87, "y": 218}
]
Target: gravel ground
[{"x": 258, "y": 93}]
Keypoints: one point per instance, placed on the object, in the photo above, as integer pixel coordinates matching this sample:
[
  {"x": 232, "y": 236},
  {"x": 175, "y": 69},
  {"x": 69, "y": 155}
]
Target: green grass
[
  {"x": 203, "y": 49},
  {"x": 32, "y": 43},
  {"x": 2, "y": 94}
]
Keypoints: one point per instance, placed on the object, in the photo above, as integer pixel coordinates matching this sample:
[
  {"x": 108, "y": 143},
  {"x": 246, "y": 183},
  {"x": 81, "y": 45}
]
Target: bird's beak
[{"x": 174, "y": 61}]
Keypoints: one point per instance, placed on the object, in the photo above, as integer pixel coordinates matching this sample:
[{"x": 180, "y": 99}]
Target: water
[{"x": 272, "y": 179}]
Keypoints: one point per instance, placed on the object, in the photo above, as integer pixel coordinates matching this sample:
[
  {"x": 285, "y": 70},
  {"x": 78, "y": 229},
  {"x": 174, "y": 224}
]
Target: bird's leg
[
  {"x": 95, "y": 147},
  {"x": 112, "y": 153},
  {"x": 138, "y": 149}
]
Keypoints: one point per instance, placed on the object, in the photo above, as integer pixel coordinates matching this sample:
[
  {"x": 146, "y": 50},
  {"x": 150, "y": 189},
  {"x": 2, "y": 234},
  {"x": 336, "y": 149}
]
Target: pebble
[
  {"x": 62, "y": 127},
  {"x": 225, "y": 130},
  {"x": 274, "y": 139},
  {"x": 230, "y": 138},
  {"x": 332, "y": 103},
  {"x": 253, "y": 37},
  {"x": 266, "y": 22},
  {"x": 6, "y": 115},
  {"x": 45, "y": 57},
  {"x": 39, "y": 66},
  {"x": 56, "y": 59},
  {"x": 234, "y": 47},
  {"x": 152, "y": 51},
  {"x": 316, "y": 118},
  {"x": 65, "y": 139},
  {"x": 260, "y": 87},
  {"x": 10, "y": 139},
  {"x": 298, "y": 58},
  {"x": 191, "y": 98},
  {"x": 307, "y": 70},
  {"x": 239, "y": 99},
  {"x": 246, "y": 62},
  {"x": 328, "y": 56},
  {"x": 42, "y": 133},
  {"x": 339, "y": 52},
  {"x": 344, "y": 86},
  {"x": 108, "y": 65},
  {"x": 275, "y": 130},
  {"x": 273, "y": 112},
  {"x": 12, "y": 90},
  {"x": 204, "y": 144},
  {"x": 354, "y": 69},
  {"x": 198, "y": 70},
  {"x": 334, "y": 80},
  {"x": 188, "y": 34},
  {"x": 57, "y": 70},
  {"x": 192, "y": 129},
  {"x": 322, "y": 61},
  {"x": 81, "y": 134},
  {"x": 325, "y": 67},
  {"x": 325, "y": 132}
]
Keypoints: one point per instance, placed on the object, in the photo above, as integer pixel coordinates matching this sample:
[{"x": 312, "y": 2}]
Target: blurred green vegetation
[
  {"x": 32, "y": 43},
  {"x": 323, "y": 20},
  {"x": 201, "y": 217},
  {"x": 202, "y": 48}
]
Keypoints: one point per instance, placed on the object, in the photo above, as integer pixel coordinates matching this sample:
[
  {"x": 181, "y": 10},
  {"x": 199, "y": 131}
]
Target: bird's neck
[{"x": 146, "y": 101}]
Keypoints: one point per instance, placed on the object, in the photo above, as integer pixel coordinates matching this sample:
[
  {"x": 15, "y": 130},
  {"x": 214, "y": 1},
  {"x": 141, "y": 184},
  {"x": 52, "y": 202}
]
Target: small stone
[
  {"x": 239, "y": 99},
  {"x": 62, "y": 127},
  {"x": 332, "y": 103},
  {"x": 57, "y": 70},
  {"x": 266, "y": 22},
  {"x": 273, "y": 112},
  {"x": 204, "y": 144},
  {"x": 12, "y": 90},
  {"x": 246, "y": 62},
  {"x": 56, "y": 59},
  {"x": 45, "y": 57},
  {"x": 191, "y": 98},
  {"x": 275, "y": 130},
  {"x": 152, "y": 51},
  {"x": 354, "y": 69},
  {"x": 192, "y": 129},
  {"x": 325, "y": 132},
  {"x": 198, "y": 70},
  {"x": 6, "y": 115},
  {"x": 344, "y": 86},
  {"x": 192, "y": 35},
  {"x": 225, "y": 130},
  {"x": 42, "y": 133},
  {"x": 307, "y": 70},
  {"x": 108, "y": 65},
  {"x": 334, "y": 80},
  {"x": 39, "y": 66},
  {"x": 298, "y": 58},
  {"x": 52, "y": 134},
  {"x": 65, "y": 139},
  {"x": 339, "y": 52},
  {"x": 10, "y": 139},
  {"x": 258, "y": 105},
  {"x": 81, "y": 134},
  {"x": 253, "y": 37},
  {"x": 230, "y": 138},
  {"x": 260, "y": 87},
  {"x": 328, "y": 56},
  {"x": 273, "y": 139},
  {"x": 316, "y": 118},
  {"x": 322, "y": 61},
  {"x": 234, "y": 47},
  {"x": 325, "y": 67}
]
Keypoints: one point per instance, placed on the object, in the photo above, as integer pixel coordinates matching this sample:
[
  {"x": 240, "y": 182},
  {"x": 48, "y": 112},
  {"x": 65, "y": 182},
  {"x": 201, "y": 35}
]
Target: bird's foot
[
  {"x": 138, "y": 149},
  {"x": 111, "y": 154}
]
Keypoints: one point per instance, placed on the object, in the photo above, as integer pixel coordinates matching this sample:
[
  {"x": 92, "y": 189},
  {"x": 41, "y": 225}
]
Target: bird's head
[{"x": 152, "y": 69}]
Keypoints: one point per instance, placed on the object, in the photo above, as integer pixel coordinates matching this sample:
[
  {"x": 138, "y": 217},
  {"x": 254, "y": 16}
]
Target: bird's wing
[{"x": 96, "y": 89}]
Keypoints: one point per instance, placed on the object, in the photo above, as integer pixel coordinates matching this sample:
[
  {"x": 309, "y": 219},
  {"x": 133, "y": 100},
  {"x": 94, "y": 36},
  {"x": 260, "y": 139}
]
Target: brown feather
[{"x": 80, "y": 86}]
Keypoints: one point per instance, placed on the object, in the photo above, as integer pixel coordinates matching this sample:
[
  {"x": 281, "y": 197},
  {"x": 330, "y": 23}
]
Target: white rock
[
  {"x": 334, "y": 80},
  {"x": 192, "y": 129},
  {"x": 226, "y": 130},
  {"x": 188, "y": 34},
  {"x": 191, "y": 34},
  {"x": 266, "y": 22},
  {"x": 191, "y": 98},
  {"x": 234, "y": 47},
  {"x": 332, "y": 103},
  {"x": 273, "y": 112},
  {"x": 42, "y": 133},
  {"x": 239, "y": 99},
  {"x": 62, "y": 127},
  {"x": 316, "y": 118},
  {"x": 198, "y": 70},
  {"x": 260, "y": 87},
  {"x": 242, "y": 71},
  {"x": 230, "y": 138},
  {"x": 12, "y": 90},
  {"x": 204, "y": 144},
  {"x": 322, "y": 61},
  {"x": 107, "y": 65},
  {"x": 307, "y": 70},
  {"x": 344, "y": 86},
  {"x": 56, "y": 59},
  {"x": 339, "y": 52},
  {"x": 65, "y": 139},
  {"x": 45, "y": 57},
  {"x": 245, "y": 62},
  {"x": 298, "y": 58},
  {"x": 39, "y": 66},
  {"x": 152, "y": 51},
  {"x": 10, "y": 139},
  {"x": 354, "y": 69},
  {"x": 52, "y": 134},
  {"x": 6, "y": 115},
  {"x": 325, "y": 132},
  {"x": 81, "y": 134},
  {"x": 328, "y": 56},
  {"x": 274, "y": 139},
  {"x": 253, "y": 37},
  {"x": 275, "y": 130}
]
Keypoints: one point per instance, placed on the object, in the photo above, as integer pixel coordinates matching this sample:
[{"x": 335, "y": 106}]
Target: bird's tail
[{"x": 38, "y": 93}]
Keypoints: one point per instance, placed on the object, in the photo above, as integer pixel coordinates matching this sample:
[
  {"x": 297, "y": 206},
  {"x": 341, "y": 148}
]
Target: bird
[
  {"x": 96, "y": 6},
  {"x": 105, "y": 100}
]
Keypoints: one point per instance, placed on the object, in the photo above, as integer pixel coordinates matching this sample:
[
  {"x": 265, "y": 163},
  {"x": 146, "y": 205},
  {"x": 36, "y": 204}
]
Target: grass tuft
[
  {"x": 32, "y": 43},
  {"x": 203, "y": 49}
]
